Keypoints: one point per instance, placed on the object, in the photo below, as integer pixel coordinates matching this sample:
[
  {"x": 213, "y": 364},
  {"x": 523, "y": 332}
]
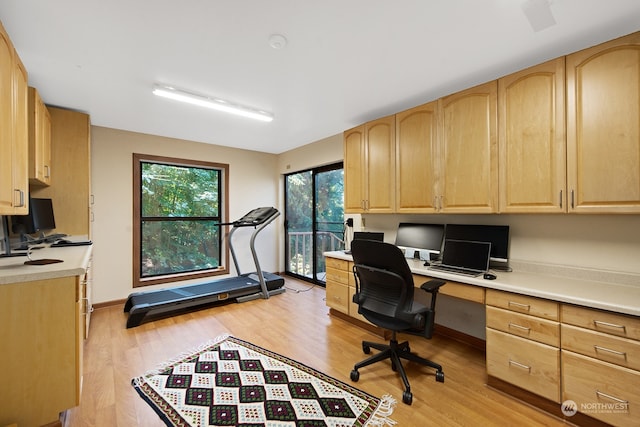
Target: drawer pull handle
[
  {"x": 519, "y": 305},
  {"x": 608, "y": 350},
  {"x": 524, "y": 328},
  {"x": 519, "y": 365},
  {"x": 608, "y": 396},
  {"x": 610, "y": 325}
]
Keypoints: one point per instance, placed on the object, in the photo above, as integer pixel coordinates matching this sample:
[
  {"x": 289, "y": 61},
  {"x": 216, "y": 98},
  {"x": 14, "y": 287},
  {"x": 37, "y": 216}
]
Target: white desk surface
[
  {"x": 75, "y": 260},
  {"x": 619, "y": 298}
]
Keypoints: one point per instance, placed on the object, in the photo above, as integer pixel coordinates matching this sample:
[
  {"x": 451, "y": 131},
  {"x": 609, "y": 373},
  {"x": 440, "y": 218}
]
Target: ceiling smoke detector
[{"x": 277, "y": 41}]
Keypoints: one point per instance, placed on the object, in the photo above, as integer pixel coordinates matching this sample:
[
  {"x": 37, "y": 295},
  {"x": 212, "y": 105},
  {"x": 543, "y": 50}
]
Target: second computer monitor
[
  {"x": 420, "y": 237},
  {"x": 497, "y": 235}
]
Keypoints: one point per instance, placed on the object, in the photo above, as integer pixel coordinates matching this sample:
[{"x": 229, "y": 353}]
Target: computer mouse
[{"x": 489, "y": 276}]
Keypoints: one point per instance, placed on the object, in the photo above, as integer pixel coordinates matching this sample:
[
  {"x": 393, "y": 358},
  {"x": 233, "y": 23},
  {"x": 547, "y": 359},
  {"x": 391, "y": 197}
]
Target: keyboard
[
  {"x": 53, "y": 237},
  {"x": 455, "y": 270}
]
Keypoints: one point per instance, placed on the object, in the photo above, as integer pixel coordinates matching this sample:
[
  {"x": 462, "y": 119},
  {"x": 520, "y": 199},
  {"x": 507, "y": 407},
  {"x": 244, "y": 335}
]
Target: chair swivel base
[{"x": 395, "y": 351}]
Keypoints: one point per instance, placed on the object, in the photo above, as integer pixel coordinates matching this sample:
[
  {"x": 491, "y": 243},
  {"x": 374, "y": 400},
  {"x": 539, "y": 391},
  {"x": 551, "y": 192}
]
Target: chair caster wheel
[
  {"x": 366, "y": 349},
  {"x": 440, "y": 376},
  {"x": 355, "y": 376},
  {"x": 407, "y": 397}
]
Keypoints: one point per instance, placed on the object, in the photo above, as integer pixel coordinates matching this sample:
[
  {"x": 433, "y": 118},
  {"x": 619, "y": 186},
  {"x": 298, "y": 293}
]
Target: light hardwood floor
[{"x": 296, "y": 325}]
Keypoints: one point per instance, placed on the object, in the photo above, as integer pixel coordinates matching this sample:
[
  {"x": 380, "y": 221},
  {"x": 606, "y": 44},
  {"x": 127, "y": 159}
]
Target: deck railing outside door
[{"x": 300, "y": 250}]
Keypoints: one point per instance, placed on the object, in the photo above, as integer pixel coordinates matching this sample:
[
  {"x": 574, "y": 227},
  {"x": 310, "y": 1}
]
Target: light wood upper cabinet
[
  {"x": 369, "y": 163},
  {"x": 13, "y": 130},
  {"x": 39, "y": 140},
  {"x": 532, "y": 147},
  {"x": 354, "y": 174},
  {"x": 416, "y": 154},
  {"x": 603, "y": 127},
  {"x": 469, "y": 151},
  {"x": 71, "y": 160}
]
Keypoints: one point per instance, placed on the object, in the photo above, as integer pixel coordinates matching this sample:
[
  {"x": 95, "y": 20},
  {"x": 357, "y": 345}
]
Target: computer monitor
[
  {"x": 415, "y": 237},
  {"x": 40, "y": 218},
  {"x": 368, "y": 235},
  {"x": 497, "y": 235}
]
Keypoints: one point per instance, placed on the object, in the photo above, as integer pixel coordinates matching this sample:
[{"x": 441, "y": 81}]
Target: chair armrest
[{"x": 432, "y": 285}]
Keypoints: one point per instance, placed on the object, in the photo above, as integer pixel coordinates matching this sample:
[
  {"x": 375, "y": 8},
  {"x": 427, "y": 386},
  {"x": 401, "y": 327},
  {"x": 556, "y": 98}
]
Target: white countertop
[
  {"x": 75, "y": 260},
  {"x": 611, "y": 296}
]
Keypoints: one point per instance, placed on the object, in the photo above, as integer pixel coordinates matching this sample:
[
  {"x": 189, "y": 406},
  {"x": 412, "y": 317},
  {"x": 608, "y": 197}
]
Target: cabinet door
[
  {"x": 42, "y": 353},
  {"x": 13, "y": 130},
  {"x": 532, "y": 140},
  {"x": 6, "y": 124},
  {"x": 380, "y": 165},
  {"x": 354, "y": 176},
  {"x": 469, "y": 154},
  {"x": 39, "y": 140},
  {"x": 603, "y": 127},
  {"x": 416, "y": 145}
]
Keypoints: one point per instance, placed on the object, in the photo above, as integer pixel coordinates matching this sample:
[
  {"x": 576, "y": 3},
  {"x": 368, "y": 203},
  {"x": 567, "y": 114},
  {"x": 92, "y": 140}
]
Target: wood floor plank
[{"x": 296, "y": 325}]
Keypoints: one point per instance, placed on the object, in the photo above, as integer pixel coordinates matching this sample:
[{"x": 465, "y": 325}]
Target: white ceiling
[{"x": 346, "y": 61}]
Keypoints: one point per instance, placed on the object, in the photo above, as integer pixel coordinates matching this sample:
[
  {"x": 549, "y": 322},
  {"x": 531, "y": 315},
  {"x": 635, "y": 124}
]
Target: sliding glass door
[{"x": 314, "y": 220}]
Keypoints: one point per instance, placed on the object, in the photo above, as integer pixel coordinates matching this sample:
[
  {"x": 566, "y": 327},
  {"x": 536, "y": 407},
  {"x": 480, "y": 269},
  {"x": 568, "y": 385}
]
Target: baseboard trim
[
  {"x": 108, "y": 303},
  {"x": 470, "y": 340},
  {"x": 364, "y": 325}
]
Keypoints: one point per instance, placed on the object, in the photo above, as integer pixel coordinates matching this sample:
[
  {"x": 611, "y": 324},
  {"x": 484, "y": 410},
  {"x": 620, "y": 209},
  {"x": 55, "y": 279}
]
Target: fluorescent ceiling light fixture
[{"x": 210, "y": 102}]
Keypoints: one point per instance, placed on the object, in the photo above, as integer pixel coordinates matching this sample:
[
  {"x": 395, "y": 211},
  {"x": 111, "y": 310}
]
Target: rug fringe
[
  {"x": 183, "y": 355},
  {"x": 380, "y": 417}
]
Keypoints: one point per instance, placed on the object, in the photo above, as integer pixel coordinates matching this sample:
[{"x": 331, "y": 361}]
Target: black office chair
[{"x": 384, "y": 294}]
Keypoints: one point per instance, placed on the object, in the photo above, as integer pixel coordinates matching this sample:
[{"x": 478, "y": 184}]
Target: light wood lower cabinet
[
  {"x": 523, "y": 339},
  {"x": 41, "y": 357},
  {"x": 601, "y": 364},
  {"x": 337, "y": 282},
  {"x": 525, "y": 363},
  {"x": 601, "y": 390}
]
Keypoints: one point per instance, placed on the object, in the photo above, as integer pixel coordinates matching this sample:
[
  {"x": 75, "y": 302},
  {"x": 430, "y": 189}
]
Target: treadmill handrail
[{"x": 263, "y": 285}]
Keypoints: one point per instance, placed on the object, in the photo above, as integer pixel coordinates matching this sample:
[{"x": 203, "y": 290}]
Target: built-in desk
[
  {"x": 42, "y": 318},
  {"x": 553, "y": 333}
]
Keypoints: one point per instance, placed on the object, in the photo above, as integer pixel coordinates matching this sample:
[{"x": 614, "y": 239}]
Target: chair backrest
[{"x": 384, "y": 279}]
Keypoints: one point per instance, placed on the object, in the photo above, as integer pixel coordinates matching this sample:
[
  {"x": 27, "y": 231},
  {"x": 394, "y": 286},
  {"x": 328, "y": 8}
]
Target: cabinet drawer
[
  {"x": 602, "y": 321},
  {"x": 534, "y": 328},
  {"x": 523, "y": 304},
  {"x": 601, "y": 390},
  {"x": 340, "y": 276},
  {"x": 337, "y": 296},
  {"x": 620, "y": 351},
  {"x": 527, "y": 364},
  {"x": 338, "y": 264},
  {"x": 457, "y": 290}
]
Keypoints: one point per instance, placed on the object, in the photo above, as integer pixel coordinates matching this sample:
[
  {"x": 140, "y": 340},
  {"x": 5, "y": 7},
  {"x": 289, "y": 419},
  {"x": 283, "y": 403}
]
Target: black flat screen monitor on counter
[
  {"x": 497, "y": 235},
  {"x": 414, "y": 237},
  {"x": 368, "y": 235},
  {"x": 39, "y": 220}
]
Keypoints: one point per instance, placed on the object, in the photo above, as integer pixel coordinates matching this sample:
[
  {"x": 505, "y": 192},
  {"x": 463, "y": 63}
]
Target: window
[{"x": 178, "y": 205}]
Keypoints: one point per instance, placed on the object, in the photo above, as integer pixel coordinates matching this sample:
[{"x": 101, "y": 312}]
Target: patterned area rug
[{"x": 230, "y": 382}]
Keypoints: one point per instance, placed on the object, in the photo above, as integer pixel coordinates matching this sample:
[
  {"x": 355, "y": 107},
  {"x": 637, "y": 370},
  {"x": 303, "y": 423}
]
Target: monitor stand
[{"x": 7, "y": 240}]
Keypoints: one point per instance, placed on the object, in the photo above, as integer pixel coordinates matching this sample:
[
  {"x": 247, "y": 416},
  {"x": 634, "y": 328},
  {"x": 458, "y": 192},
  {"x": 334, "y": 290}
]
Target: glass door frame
[{"x": 318, "y": 271}]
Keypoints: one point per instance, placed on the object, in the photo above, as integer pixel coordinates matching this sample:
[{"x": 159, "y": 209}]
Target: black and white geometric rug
[{"x": 230, "y": 382}]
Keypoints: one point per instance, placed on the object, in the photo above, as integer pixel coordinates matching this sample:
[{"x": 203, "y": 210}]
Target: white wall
[{"x": 252, "y": 184}]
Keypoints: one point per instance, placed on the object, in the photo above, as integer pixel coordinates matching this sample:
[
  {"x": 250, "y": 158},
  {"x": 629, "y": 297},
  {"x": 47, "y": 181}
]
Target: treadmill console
[{"x": 256, "y": 217}]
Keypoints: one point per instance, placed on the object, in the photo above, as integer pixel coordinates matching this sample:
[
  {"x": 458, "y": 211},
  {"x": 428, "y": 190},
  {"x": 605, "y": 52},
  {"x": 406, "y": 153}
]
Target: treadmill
[{"x": 244, "y": 287}]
